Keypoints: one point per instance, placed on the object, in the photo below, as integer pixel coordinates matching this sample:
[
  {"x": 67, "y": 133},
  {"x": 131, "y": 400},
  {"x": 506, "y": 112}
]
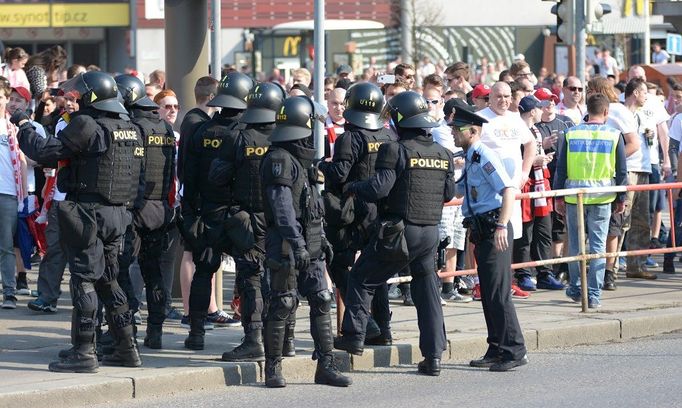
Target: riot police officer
[
  {"x": 239, "y": 167},
  {"x": 211, "y": 203},
  {"x": 295, "y": 244},
  {"x": 488, "y": 204},
  {"x": 105, "y": 153},
  {"x": 153, "y": 231},
  {"x": 413, "y": 178},
  {"x": 355, "y": 154}
]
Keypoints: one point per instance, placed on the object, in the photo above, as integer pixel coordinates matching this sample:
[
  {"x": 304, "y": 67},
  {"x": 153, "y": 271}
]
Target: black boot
[
  {"x": 274, "y": 337},
  {"x": 407, "y": 295},
  {"x": 81, "y": 357},
  {"x": 251, "y": 348},
  {"x": 289, "y": 347},
  {"x": 609, "y": 280},
  {"x": 669, "y": 265},
  {"x": 195, "y": 340},
  {"x": 384, "y": 338},
  {"x": 326, "y": 373},
  {"x": 125, "y": 352},
  {"x": 372, "y": 329},
  {"x": 153, "y": 337}
]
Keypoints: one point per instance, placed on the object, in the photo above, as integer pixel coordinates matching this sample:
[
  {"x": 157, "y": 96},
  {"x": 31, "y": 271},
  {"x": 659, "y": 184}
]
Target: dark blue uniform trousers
[
  {"x": 504, "y": 333},
  {"x": 371, "y": 272}
]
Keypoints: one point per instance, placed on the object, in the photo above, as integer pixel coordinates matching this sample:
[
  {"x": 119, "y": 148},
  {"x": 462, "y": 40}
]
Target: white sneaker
[{"x": 455, "y": 297}]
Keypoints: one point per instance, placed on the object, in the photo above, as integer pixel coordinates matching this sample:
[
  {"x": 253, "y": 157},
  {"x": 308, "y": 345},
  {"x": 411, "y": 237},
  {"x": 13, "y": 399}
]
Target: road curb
[{"x": 125, "y": 385}]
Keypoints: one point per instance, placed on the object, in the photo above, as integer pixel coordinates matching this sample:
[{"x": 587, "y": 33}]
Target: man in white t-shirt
[
  {"x": 506, "y": 134},
  {"x": 639, "y": 170},
  {"x": 570, "y": 105}
]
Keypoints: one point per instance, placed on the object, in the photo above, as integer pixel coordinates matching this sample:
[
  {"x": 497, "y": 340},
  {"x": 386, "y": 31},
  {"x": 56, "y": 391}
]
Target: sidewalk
[{"x": 30, "y": 340}]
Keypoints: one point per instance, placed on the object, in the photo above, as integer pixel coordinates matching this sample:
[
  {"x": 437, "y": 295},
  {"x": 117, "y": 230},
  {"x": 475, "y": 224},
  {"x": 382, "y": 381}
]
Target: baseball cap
[
  {"x": 545, "y": 95},
  {"x": 344, "y": 69},
  {"x": 23, "y": 92},
  {"x": 480, "y": 91},
  {"x": 528, "y": 103}
]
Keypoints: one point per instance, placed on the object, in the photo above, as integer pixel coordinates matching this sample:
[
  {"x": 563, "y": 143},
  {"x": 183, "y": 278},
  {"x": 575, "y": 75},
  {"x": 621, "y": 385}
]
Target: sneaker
[
  {"x": 39, "y": 305},
  {"x": 138, "y": 318},
  {"x": 549, "y": 282},
  {"x": 454, "y": 297},
  {"x": 22, "y": 288},
  {"x": 10, "y": 302},
  {"x": 466, "y": 285},
  {"x": 594, "y": 304},
  {"x": 174, "y": 314},
  {"x": 526, "y": 284},
  {"x": 184, "y": 322},
  {"x": 395, "y": 293},
  {"x": 221, "y": 319},
  {"x": 476, "y": 292},
  {"x": 574, "y": 298},
  {"x": 609, "y": 280},
  {"x": 650, "y": 263},
  {"x": 443, "y": 302},
  {"x": 517, "y": 293},
  {"x": 622, "y": 264}
]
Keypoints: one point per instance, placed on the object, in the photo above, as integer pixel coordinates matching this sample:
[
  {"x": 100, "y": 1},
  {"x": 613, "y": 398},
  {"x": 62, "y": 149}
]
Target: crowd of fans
[{"x": 528, "y": 111}]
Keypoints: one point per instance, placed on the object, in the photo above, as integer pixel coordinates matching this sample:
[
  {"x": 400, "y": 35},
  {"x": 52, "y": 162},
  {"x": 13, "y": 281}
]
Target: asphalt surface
[{"x": 636, "y": 373}]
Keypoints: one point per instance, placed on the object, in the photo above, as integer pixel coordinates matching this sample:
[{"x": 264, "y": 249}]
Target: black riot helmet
[
  {"x": 364, "y": 102},
  {"x": 294, "y": 120},
  {"x": 95, "y": 89},
  {"x": 409, "y": 110},
  {"x": 232, "y": 91},
  {"x": 133, "y": 93},
  {"x": 262, "y": 103}
]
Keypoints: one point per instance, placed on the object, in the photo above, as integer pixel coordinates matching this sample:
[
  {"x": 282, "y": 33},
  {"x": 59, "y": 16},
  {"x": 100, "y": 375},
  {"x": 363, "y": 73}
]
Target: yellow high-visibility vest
[{"x": 591, "y": 160}]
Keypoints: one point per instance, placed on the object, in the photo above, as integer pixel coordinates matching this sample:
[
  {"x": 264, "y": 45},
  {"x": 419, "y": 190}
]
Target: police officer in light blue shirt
[{"x": 488, "y": 204}]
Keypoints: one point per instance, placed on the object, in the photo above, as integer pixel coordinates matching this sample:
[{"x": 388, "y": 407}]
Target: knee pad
[
  {"x": 320, "y": 303},
  {"x": 84, "y": 297},
  {"x": 281, "y": 307}
]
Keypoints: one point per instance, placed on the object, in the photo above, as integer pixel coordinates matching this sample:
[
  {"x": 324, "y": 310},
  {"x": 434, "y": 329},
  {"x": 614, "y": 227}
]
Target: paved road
[{"x": 639, "y": 373}]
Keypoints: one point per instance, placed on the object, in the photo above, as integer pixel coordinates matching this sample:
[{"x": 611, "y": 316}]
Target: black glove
[
  {"x": 328, "y": 251},
  {"x": 18, "y": 116},
  {"x": 302, "y": 258}
]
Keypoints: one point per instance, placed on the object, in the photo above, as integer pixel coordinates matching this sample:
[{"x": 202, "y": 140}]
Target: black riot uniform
[
  {"x": 239, "y": 167},
  {"x": 413, "y": 178},
  {"x": 295, "y": 244},
  {"x": 350, "y": 219},
  {"x": 105, "y": 155},
  {"x": 152, "y": 233},
  {"x": 210, "y": 226}
]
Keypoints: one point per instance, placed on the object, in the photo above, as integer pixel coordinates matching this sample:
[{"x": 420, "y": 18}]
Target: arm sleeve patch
[{"x": 277, "y": 170}]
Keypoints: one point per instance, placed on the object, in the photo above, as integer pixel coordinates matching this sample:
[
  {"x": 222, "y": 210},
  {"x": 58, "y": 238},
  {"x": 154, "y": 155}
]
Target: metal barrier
[{"x": 582, "y": 257}]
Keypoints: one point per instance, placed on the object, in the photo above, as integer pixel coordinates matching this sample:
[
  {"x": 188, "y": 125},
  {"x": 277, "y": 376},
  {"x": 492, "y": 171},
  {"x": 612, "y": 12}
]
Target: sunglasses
[
  {"x": 433, "y": 101},
  {"x": 575, "y": 88},
  {"x": 169, "y": 107}
]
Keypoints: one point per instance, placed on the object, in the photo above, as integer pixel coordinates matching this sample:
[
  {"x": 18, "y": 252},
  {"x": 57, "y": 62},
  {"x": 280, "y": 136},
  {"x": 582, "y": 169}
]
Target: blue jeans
[
  {"x": 597, "y": 227},
  {"x": 8, "y": 227}
]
